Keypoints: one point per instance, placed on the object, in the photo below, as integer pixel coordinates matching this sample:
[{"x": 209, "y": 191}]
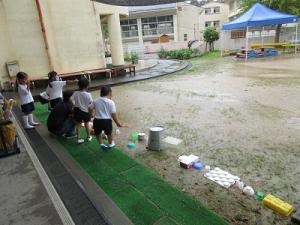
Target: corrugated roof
[{"x": 140, "y": 9}]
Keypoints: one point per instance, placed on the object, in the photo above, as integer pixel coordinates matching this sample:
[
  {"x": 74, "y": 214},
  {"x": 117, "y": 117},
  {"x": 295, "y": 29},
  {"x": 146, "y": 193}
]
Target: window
[
  {"x": 217, "y": 10},
  {"x": 157, "y": 25},
  {"x": 185, "y": 37},
  {"x": 207, "y": 24},
  {"x": 129, "y": 28},
  {"x": 235, "y": 34},
  {"x": 207, "y": 11},
  {"x": 216, "y": 23}
]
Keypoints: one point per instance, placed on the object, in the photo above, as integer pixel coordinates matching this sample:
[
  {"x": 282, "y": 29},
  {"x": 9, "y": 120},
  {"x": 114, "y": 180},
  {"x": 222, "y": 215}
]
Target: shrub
[
  {"x": 162, "y": 54},
  {"x": 179, "y": 54},
  {"x": 127, "y": 57},
  {"x": 134, "y": 57}
]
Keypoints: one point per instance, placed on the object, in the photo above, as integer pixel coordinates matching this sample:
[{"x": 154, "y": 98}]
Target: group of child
[{"x": 103, "y": 109}]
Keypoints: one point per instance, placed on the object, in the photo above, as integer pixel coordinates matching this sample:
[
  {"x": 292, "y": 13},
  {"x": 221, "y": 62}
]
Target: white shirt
[
  {"x": 82, "y": 100},
  {"x": 103, "y": 107},
  {"x": 56, "y": 90},
  {"x": 25, "y": 94}
]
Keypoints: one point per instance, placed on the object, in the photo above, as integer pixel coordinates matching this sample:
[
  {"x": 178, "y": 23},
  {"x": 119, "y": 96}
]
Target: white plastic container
[{"x": 155, "y": 138}]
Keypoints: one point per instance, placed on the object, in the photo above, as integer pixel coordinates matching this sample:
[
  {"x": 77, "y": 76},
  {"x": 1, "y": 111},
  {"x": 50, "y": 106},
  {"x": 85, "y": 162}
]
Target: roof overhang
[{"x": 137, "y": 2}]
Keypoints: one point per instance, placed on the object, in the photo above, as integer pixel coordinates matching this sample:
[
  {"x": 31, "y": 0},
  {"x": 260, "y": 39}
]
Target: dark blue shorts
[
  {"x": 100, "y": 125},
  {"x": 28, "y": 108},
  {"x": 54, "y": 102},
  {"x": 81, "y": 116}
]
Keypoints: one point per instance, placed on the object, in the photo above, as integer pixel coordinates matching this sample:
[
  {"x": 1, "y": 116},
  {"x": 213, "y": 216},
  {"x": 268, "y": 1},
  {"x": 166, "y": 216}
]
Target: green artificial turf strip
[
  {"x": 166, "y": 221},
  {"x": 143, "y": 196}
]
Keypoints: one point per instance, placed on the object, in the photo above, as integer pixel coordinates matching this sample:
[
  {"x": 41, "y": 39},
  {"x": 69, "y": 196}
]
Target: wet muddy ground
[{"x": 241, "y": 117}]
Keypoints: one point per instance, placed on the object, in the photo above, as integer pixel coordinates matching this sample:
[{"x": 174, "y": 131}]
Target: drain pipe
[{"x": 41, "y": 19}]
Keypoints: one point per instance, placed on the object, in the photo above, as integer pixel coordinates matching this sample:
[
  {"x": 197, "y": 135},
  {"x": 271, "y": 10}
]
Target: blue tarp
[{"x": 260, "y": 15}]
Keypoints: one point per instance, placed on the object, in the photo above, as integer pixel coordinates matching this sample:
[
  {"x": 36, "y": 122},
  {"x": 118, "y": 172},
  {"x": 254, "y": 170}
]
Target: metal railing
[
  {"x": 131, "y": 33},
  {"x": 157, "y": 31}
]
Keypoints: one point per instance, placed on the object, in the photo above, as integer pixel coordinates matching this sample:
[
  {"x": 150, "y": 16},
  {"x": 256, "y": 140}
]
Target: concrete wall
[
  {"x": 6, "y": 53},
  {"x": 21, "y": 38},
  {"x": 287, "y": 34},
  {"x": 74, "y": 34},
  {"x": 73, "y": 30},
  {"x": 187, "y": 21},
  {"x": 222, "y": 16}
]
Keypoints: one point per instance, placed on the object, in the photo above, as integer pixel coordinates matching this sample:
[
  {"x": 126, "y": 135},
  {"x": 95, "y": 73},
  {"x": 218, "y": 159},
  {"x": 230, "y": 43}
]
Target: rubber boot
[
  {"x": 26, "y": 123},
  {"x": 31, "y": 121}
]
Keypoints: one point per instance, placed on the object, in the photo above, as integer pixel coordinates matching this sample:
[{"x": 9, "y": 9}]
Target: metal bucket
[{"x": 155, "y": 138}]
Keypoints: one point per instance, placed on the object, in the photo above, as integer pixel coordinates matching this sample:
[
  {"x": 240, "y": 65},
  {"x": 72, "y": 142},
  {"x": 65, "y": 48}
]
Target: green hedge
[{"x": 178, "y": 54}]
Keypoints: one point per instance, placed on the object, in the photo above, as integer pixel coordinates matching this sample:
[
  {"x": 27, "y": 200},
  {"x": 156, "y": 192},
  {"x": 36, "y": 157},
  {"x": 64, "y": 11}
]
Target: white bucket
[{"x": 155, "y": 138}]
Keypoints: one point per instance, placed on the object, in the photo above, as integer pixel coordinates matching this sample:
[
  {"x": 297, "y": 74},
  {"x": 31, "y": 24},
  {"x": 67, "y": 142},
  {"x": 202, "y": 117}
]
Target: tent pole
[
  {"x": 296, "y": 38},
  {"x": 262, "y": 36},
  {"x": 222, "y": 43},
  {"x": 247, "y": 43}
]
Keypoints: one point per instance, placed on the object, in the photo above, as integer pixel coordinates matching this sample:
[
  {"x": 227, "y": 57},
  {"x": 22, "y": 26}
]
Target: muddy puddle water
[{"x": 243, "y": 118}]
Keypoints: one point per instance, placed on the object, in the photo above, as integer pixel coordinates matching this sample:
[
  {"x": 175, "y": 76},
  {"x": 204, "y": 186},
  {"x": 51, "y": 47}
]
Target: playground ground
[{"x": 241, "y": 117}]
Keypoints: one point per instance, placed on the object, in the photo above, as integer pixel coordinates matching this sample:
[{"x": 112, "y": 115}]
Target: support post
[
  {"x": 115, "y": 38},
  {"x": 222, "y": 32},
  {"x": 262, "y": 37},
  {"x": 140, "y": 32},
  {"x": 296, "y": 38},
  {"x": 247, "y": 43}
]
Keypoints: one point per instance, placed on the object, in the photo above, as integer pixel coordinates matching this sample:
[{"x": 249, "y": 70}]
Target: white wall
[
  {"x": 228, "y": 43},
  {"x": 21, "y": 37},
  {"x": 6, "y": 53},
  {"x": 74, "y": 35},
  {"x": 222, "y": 16},
  {"x": 187, "y": 17},
  {"x": 73, "y": 31}
]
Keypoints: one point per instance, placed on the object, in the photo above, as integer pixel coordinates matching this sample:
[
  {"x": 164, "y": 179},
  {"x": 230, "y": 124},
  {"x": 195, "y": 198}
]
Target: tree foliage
[
  {"x": 285, "y": 6},
  {"x": 210, "y": 35}
]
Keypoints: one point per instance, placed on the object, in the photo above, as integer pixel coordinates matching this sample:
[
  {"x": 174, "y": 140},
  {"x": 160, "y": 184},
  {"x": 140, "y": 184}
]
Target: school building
[
  {"x": 213, "y": 14},
  {"x": 145, "y": 24},
  {"x": 63, "y": 35},
  {"x": 234, "y": 8}
]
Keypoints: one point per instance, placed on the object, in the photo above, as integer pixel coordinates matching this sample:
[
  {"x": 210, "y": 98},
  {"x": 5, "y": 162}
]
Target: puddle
[{"x": 228, "y": 116}]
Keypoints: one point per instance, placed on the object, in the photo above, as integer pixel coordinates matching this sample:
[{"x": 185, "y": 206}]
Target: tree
[
  {"x": 210, "y": 35},
  {"x": 284, "y": 6}
]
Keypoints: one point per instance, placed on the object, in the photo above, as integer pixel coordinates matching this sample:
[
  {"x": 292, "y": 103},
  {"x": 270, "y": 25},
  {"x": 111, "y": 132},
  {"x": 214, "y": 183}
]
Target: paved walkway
[
  {"x": 23, "y": 197},
  {"x": 162, "y": 68}
]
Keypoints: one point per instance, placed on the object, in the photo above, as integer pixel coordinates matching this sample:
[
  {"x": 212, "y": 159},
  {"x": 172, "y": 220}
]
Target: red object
[{"x": 185, "y": 166}]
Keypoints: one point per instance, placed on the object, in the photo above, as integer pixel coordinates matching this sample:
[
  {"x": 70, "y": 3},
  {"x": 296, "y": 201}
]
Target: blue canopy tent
[{"x": 260, "y": 15}]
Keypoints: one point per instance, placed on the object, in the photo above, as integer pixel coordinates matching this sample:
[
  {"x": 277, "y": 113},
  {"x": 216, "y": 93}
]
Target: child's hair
[
  {"x": 67, "y": 95},
  {"x": 83, "y": 83},
  {"x": 51, "y": 77},
  {"x": 20, "y": 76},
  {"x": 105, "y": 90}
]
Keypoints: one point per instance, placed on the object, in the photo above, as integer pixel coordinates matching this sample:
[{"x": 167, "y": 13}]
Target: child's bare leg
[
  {"x": 78, "y": 125},
  {"x": 87, "y": 129},
  {"x": 110, "y": 139},
  {"x": 99, "y": 138}
]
